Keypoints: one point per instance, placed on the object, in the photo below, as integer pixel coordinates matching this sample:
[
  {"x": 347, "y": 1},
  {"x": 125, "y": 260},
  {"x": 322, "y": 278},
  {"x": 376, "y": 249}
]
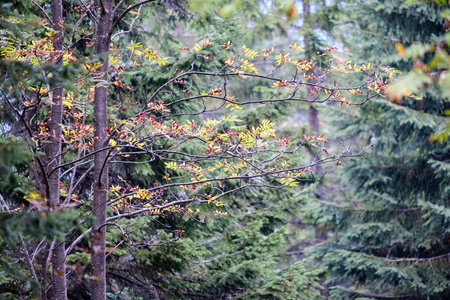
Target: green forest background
[{"x": 375, "y": 227}]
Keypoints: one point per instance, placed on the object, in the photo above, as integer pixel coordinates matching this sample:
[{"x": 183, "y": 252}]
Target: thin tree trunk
[
  {"x": 307, "y": 37},
  {"x": 101, "y": 184},
  {"x": 313, "y": 114},
  {"x": 59, "y": 290},
  {"x": 313, "y": 120}
]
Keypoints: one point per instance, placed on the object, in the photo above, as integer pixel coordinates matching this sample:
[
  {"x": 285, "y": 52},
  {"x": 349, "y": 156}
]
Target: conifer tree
[{"x": 388, "y": 230}]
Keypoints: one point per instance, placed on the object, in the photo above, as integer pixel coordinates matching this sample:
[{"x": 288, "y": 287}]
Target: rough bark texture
[
  {"x": 101, "y": 184},
  {"x": 59, "y": 290}
]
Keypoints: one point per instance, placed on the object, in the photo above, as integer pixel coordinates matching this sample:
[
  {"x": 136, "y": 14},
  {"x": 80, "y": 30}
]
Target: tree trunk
[
  {"x": 307, "y": 36},
  {"x": 101, "y": 184},
  {"x": 313, "y": 120},
  {"x": 53, "y": 151}
]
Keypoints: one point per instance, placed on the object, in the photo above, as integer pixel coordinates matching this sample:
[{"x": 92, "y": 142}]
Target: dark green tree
[{"x": 388, "y": 229}]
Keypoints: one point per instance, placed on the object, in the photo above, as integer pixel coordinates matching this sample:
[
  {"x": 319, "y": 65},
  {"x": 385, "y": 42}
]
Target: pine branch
[{"x": 379, "y": 296}]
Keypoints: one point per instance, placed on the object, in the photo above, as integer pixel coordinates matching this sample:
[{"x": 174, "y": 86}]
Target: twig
[
  {"x": 27, "y": 258},
  {"x": 125, "y": 12},
  {"x": 43, "y": 11}
]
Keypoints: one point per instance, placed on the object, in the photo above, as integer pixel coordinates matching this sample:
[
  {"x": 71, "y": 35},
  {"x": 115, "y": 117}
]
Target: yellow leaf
[
  {"x": 401, "y": 50},
  {"x": 212, "y": 199},
  {"x": 33, "y": 196},
  {"x": 171, "y": 165},
  {"x": 68, "y": 103}
]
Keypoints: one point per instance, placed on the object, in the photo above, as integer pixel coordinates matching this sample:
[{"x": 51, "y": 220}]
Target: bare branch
[
  {"x": 131, "y": 25},
  {"x": 123, "y": 14},
  {"x": 43, "y": 11},
  {"x": 27, "y": 258}
]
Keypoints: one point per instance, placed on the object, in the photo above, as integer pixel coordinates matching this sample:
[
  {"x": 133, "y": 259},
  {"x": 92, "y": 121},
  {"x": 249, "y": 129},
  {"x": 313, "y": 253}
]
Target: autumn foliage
[{"x": 187, "y": 125}]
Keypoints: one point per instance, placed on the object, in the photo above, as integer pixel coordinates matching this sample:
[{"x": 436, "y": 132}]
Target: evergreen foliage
[{"x": 388, "y": 231}]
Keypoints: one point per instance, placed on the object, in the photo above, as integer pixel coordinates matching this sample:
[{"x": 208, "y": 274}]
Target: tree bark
[
  {"x": 313, "y": 120},
  {"x": 59, "y": 290},
  {"x": 306, "y": 16},
  {"x": 101, "y": 180}
]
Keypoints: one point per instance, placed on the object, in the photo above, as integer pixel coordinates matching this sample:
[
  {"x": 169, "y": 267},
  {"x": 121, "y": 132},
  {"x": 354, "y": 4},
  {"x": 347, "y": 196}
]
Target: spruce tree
[{"x": 388, "y": 230}]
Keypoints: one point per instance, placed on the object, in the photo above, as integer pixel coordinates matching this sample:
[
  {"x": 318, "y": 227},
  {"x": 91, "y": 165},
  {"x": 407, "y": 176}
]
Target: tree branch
[
  {"x": 27, "y": 258},
  {"x": 43, "y": 11},
  {"x": 125, "y": 12}
]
